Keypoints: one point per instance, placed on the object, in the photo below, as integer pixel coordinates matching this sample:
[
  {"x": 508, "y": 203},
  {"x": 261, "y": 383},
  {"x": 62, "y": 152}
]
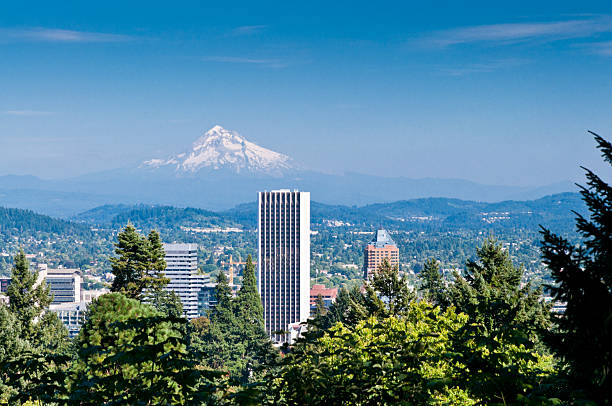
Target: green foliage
[
  {"x": 28, "y": 331},
  {"x": 388, "y": 291},
  {"x": 139, "y": 264},
  {"x": 583, "y": 280},
  {"x": 432, "y": 283},
  {"x": 131, "y": 354},
  {"x": 27, "y": 301},
  {"x": 235, "y": 340},
  {"x": 492, "y": 295},
  {"x": 349, "y": 309},
  {"x": 166, "y": 302},
  {"x": 12, "y": 345},
  {"x": 320, "y": 308},
  {"x": 377, "y": 362},
  {"x": 51, "y": 336},
  {"x": 258, "y": 350},
  {"x": 500, "y": 345}
]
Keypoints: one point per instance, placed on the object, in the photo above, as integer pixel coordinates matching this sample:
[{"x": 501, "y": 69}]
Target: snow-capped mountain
[{"x": 221, "y": 149}]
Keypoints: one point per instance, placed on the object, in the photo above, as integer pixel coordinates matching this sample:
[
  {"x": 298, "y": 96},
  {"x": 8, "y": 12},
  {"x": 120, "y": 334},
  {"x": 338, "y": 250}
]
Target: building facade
[
  {"x": 327, "y": 294},
  {"x": 380, "y": 248},
  {"x": 64, "y": 283},
  {"x": 283, "y": 263},
  {"x": 185, "y": 280},
  {"x": 71, "y": 314}
]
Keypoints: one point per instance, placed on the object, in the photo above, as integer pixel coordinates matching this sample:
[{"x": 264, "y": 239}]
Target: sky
[{"x": 497, "y": 94}]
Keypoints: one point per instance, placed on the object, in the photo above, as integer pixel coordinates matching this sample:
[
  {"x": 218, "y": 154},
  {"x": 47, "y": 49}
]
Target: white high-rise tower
[
  {"x": 185, "y": 281},
  {"x": 283, "y": 276}
]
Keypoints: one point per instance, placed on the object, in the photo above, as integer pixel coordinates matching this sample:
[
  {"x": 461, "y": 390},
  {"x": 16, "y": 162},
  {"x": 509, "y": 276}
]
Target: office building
[
  {"x": 71, "y": 314},
  {"x": 185, "y": 280},
  {"x": 64, "y": 283},
  {"x": 380, "y": 248},
  {"x": 283, "y": 264}
]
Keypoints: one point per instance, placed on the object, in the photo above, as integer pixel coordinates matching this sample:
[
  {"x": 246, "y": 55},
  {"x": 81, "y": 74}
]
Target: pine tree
[
  {"x": 432, "y": 283},
  {"x": 320, "y": 309},
  {"x": 502, "y": 339},
  {"x": 257, "y": 345},
  {"x": 154, "y": 278},
  {"x": 392, "y": 294},
  {"x": 583, "y": 280},
  {"x": 139, "y": 264},
  {"x": 27, "y": 301},
  {"x": 491, "y": 294},
  {"x": 248, "y": 299},
  {"x": 220, "y": 342},
  {"x": 349, "y": 308}
]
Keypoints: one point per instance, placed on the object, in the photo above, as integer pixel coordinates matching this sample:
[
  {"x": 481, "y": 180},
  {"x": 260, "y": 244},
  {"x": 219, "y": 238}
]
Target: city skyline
[{"x": 499, "y": 97}]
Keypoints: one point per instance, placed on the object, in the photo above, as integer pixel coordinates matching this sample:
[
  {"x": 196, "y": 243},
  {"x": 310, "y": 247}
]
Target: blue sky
[{"x": 498, "y": 95}]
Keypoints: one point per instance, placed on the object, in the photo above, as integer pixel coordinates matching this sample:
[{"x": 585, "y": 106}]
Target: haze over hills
[{"x": 222, "y": 169}]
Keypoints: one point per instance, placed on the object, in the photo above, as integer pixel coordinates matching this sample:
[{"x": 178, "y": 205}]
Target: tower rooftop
[{"x": 382, "y": 239}]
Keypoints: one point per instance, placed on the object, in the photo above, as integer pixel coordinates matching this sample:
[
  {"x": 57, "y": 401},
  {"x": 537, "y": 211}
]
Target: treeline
[{"x": 18, "y": 221}]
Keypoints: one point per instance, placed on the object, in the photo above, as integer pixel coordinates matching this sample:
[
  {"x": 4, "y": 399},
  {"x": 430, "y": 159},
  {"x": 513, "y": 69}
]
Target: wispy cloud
[
  {"x": 247, "y": 30},
  {"x": 601, "y": 48},
  {"x": 40, "y": 34},
  {"x": 269, "y": 63},
  {"x": 26, "y": 113},
  {"x": 483, "y": 67},
  {"x": 519, "y": 32}
]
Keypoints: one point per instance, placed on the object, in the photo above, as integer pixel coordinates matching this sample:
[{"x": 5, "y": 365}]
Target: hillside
[
  {"x": 447, "y": 229},
  {"x": 553, "y": 211},
  {"x": 54, "y": 241}
]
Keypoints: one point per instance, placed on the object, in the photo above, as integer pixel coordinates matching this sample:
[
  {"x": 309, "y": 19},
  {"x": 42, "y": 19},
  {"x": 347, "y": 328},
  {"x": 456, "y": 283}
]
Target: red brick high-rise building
[{"x": 381, "y": 247}]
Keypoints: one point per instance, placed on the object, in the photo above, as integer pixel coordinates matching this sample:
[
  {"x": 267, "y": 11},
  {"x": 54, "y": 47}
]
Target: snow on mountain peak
[{"x": 219, "y": 149}]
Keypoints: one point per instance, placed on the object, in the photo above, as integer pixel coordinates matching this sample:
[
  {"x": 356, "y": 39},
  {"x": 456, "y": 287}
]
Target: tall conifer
[
  {"x": 27, "y": 301},
  {"x": 139, "y": 263},
  {"x": 583, "y": 280}
]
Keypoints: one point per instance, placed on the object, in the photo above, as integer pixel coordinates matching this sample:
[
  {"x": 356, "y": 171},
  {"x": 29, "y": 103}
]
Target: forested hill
[
  {"x": 449, "y": 229},
  {"x": 157, "y": 217},
  {"x": 18, "y": 221},
  {"x": 56, "y": 242},
  {"x": 555, "y": 211}
]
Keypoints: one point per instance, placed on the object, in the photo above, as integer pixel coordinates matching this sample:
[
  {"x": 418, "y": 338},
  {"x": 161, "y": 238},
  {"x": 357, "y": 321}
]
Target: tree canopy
[{"x": 139, "y": 264}]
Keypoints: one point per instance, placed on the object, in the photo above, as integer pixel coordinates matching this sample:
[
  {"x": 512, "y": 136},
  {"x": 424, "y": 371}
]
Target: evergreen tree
[
  {"x": 27, "y": 301},
  {"x": 220, "y": 343},
  {"x": 166, "y": 302},
  {"x": 583, "y": 280},
  {"x": 491, "y": 294},
  {"x": 129, "y": 353},
  {"x": 320, "y": 309},
  {"x": 501, "y": 340},
  {"x": 432, "y": 283},
  {"x": 12, "y": 345},
  {"x": 248, "y": 299},
  {"x": 154, "y": 277},
  {"x": 387, "y": 291},
  {"x": 139, "y": 264},
  {"x": 256, "y": 343}
]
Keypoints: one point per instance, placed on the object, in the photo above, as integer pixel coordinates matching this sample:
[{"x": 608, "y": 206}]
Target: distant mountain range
[{"x": 222, "y": 169}]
